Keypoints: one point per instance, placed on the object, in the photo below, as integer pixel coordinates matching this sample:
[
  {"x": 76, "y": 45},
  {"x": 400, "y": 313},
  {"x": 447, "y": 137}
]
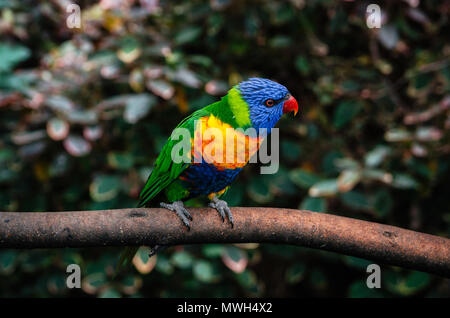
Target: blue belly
[{"x": 203, "y": 178}]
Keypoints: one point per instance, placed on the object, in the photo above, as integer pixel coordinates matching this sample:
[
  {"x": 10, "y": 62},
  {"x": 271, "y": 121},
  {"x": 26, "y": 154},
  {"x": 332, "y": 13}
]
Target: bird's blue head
[{"x": 266, "y": 101}]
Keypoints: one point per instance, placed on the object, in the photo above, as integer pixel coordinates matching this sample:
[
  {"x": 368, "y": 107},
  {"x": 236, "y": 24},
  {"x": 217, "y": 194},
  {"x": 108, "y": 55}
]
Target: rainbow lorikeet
[{"x": 255, "y": 103}]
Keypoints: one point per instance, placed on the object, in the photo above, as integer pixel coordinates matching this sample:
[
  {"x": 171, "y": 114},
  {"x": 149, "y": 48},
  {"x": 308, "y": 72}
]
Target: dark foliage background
[{"x": 84, "y": 113}]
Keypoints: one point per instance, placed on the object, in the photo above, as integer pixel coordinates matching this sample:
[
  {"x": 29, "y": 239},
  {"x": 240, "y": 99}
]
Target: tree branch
[{"x": 382, "y": 243}]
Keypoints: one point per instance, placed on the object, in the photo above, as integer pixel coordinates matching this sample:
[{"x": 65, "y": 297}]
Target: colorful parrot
[{"x": 254, "y": 103}]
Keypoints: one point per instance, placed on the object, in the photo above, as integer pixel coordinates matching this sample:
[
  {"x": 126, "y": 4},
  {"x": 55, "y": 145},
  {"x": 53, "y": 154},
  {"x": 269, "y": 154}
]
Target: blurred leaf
[
  {"x": 303, "y": 178},
  {"x": 93, "y": 282},
  {"x": 235, "y": 259},
  {"x": 105, "y": 188},
  {"x": 406, "y": 285},
  {"x": 161, "y": 88},
  {"x": 302, "y": 65},
  {"x": 404, "y": 181},
  {"x": 10, "y": 55},
  {"x": 163, "y": 265},
  {"x": 359, "y": 289},
  {"x": 83, "y": 117},
  {"x": 357, "y": 262},
  {"x": 187, "y": 77},
  {"x": 324, "y": 188},
  {"x": 109, "y": 293},
  {"x": 259, "y": 190},
  {"x": 314, "y": 204},
  {"x": 120, "y": 161},
  {"x": 345, "y": 112},
  {"x": 295, "y": 273},
  {"x": 8, "y": 261},
  {"x": 131, "y": 284},
  {"x": 182, "y": 259},
  {"x": 137, "y": 107},
  {"x": 77, "y": 146},
  {"x": 187, "y": 35},
  {"x": 57, "y": 129},
  {"x": 397, "y": 135},
  {"x": 318, "y": 279},
  {"x": 356, "y": 199},
  {"x": 143, "y": 263},
  {"x": 204, "y": 271},
  {"x": 388, "y": 36},
  {"x": 213, "y": 250},
  {"x": 348, "y": 179},
  {"x": 376, "y": 156},
  {"x": 383, "y": 203},
  {"x": 290, "y": 150},
  {"x": 428, "y": 134}
]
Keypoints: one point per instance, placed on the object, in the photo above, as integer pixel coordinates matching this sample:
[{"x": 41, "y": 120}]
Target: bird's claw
[
  {"x": 180, "y": 210},
  {"x": 222, "y": 207}
]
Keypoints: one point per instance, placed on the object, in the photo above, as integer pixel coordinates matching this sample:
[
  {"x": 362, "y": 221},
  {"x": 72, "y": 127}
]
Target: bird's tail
[{"x": 125, "y": 258}]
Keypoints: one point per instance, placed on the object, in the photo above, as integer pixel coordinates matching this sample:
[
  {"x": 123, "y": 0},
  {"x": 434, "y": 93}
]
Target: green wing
[{"x": 165, "y": 170}]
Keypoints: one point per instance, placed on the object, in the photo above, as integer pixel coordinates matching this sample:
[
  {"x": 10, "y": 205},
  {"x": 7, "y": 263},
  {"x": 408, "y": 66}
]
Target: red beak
[{"x": 290, "y": 105}]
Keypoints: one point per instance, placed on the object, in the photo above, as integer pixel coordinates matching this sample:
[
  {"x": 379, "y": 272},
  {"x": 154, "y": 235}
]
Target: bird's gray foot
[
  {"x": 156, "y": 249},
  {"x": 222, "y": 207},
  {"x": 180, "y": 210}
]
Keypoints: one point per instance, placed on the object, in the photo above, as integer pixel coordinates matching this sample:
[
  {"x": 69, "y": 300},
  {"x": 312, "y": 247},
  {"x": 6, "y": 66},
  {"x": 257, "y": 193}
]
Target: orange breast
[{"x": 221, "y": 145}]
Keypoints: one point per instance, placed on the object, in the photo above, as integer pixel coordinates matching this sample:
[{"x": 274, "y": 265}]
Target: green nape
[{"x": 232, "y": 109}]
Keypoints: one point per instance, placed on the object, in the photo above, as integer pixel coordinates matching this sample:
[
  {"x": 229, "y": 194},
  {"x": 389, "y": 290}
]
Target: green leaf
[
  {"x": 182, "y": 259},
  {"x": 163, "y": 265},
  {"x": 345, "y": 112},
  {"x": 348, "y": 179},
  {"x": 376, "y": 156},
  {"x": 290, "y": 150},
  {"x": 161, "y": 88},
  {"x": 235, "y": 258},
  {"x": 295, "y": 273},
  {"x": 234, "y": 195},
  {"x": 314, "y": 204},
  {"x": 92, "y": 283},
  {"x": 302, "y": 65},
  {"x": 318, "y": 279},
  {"x": 324, "y": 188},
  {"x": 303, "y": 179},
  {"x": 8, "y": 260},
  {"x": 404, "y": 181},
  {"x": 187, "y": 35},
  {"x": 356, "y": 262},
  {"x": 213, "y": 250},
  {"x": 383, "y": 203},
  {"x": 11, "y": 55},
  {"x": 109, "y": 293},
  {"x": 407, "y": 285},
  {"x": 120, "y": 161},
  {"x": 204, "y": 271},
  {"x": 77, "y": 146},
  {"x": 105, "y": 188},
  {"x": 259, "y": 190},
  {"x": 397, "y": 135},
  {"x": 359, "y": 289},
  {"x": 138, "y": 106},
  {"x": 356, "y": 199}
]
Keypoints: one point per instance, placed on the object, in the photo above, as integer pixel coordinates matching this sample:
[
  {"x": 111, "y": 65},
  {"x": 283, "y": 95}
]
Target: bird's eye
[{"x": 269, "y": 102}]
